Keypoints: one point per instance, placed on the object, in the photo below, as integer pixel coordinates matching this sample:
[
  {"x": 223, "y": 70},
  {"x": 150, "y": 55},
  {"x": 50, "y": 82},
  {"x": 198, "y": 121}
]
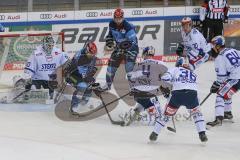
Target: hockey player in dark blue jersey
[
  {"x": 123, "y": 40},
  {"x": 80, "y": 74}
]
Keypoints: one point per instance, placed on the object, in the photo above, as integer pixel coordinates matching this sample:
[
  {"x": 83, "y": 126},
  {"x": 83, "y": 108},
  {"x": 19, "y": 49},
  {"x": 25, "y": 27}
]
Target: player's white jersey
[
  {"x": 180, "y": 78},
  {"x": 227, "y": 64},
  {"x": 40, "y": 65},
  {"x": 146, "y": 75},
  {"x": 195, "y": 45}
]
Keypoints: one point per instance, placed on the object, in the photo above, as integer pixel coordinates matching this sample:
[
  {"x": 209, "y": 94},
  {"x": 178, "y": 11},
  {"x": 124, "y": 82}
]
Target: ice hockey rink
[{"x": 33, "y": 132}]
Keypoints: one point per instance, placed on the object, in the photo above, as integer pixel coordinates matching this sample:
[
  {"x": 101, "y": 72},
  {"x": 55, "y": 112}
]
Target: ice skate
[
  {"x": 153, "y": 136},
  {"x": 216, "y": 122},
  {"x": 203, "y": 136},
  {"x": 228, "y": 115}
]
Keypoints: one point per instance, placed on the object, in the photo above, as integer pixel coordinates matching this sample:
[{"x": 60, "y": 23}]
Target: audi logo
[
  {"x": 91, "y": 14},
  {"x": 137, "y": 12},
  {"x": 234, "y": 9},
  {"x": 2, "y": 17},
  {"x": 45, "y": 16},
  {"x": 196, "y": 10}
]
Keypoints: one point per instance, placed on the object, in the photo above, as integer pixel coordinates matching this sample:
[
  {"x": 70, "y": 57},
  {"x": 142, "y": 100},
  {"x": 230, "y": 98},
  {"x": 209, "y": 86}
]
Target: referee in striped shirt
[{"x": 213, "y": 13}]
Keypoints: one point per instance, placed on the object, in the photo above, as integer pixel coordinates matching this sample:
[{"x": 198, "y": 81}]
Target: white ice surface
[{"x": 33, "y": 132}]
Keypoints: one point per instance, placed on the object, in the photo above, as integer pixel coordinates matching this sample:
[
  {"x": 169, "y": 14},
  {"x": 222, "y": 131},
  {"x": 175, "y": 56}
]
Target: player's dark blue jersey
[
  {"x": 84, "y": 62},
  {"x": 125, "y": 31}
]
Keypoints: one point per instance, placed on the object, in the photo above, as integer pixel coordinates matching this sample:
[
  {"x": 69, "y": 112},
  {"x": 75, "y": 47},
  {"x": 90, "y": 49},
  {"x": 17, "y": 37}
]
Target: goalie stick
[{"x": 20, "y": 94}]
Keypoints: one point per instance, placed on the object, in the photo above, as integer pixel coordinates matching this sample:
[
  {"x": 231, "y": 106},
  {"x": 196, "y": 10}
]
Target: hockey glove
[
  {"x": 92, "y": 71},
  {"x": 215, "y": 87},
  {"x": 109, "y": 42},
  {"x": 165, "y": 92},
  {"x": 180, "y": 49}
]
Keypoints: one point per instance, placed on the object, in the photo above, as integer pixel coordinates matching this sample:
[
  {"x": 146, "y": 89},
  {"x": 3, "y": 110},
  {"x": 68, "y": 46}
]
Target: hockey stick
[
  {"x": 59, "y": 94},
  {"x": 209, "y": 94},
  {"x": 174, "y": 126},
  {"x": 121, "y": 123},
  {"x": 20, "y": 94},
  {"x": 117, "y": 99}
]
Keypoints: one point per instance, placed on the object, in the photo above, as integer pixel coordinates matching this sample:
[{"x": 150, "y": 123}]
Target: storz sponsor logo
[
  {"x": 137, "y": 12},
  {"x": 91, "y": 14},
  {"x": 2, "y": 17},
  {"x": 196, "y": 10},
  {"x": 45, "y": 16},
  {"x": 49, "y": 66}
]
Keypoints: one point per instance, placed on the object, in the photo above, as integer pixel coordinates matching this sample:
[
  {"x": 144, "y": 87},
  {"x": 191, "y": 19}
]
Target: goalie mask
[
  {"x": 148, "y": 51},
  {"x": 48, "y": 44}
]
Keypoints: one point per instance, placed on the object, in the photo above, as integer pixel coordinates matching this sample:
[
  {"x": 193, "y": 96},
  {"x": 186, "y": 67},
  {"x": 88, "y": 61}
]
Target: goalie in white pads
[
  {"x": 227, "y": 67},
  {"x": 194, "y": 45},
  {"x": 41, "y": 64},
  {"x": 184, "y": 92},
  {"x": 144, "y": 82}
]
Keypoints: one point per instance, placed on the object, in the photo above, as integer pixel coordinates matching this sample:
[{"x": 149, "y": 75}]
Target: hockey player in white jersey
[
  {"x": 227, "y": 67},
  {"x": 144, "y": 83},
  {"x": 194, "y": 45},
  {"x": 42, "y": 63},
  {"x": 184, "y": 92}
]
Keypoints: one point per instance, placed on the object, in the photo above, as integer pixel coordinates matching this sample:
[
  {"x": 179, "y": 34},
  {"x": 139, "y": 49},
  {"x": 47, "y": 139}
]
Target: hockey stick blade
[
  {"x": 171, "y": 129},
  {"x": 121, "y": 123},
  {"x": 20, "y": 94}
]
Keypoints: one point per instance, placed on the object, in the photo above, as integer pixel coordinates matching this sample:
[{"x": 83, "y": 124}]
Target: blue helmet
[
  {"x": 148, "y": 51},
  {"x": 218, "y": 41}
]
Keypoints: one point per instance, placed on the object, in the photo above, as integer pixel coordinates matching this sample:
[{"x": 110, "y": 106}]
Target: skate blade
[
  {"x": 208, "y": 127},
  {"x": 228, "y": 121},
  {"x": 203, "y": 144},
  {"x": 152, "y": 142}
]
